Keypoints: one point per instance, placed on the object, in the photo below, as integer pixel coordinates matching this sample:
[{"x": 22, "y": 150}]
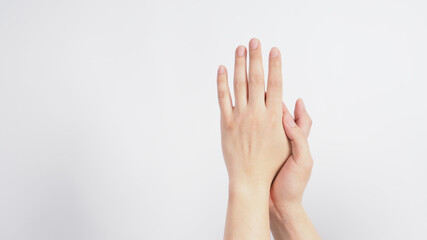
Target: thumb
[
  {"x": 299, "y": 143},
  {"x": 302, "y": 119}
]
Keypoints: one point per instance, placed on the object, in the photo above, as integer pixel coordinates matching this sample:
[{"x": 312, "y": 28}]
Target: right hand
[{"x": 288, "y": 186}]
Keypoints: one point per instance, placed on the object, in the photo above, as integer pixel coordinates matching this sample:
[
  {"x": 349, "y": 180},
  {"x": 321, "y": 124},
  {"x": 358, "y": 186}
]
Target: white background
[{"x": 109, "y": 124}]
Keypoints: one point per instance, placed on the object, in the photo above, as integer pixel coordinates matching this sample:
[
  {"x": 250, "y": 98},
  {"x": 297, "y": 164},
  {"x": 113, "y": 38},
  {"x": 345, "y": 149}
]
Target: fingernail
[
  {"x": 290, "y": 121},
  {"x": 221, "y": 69},
  {"x": 253, "y": 43},
  {"x": 240, "y": 51},
  {"x": 274, "y": 52}
]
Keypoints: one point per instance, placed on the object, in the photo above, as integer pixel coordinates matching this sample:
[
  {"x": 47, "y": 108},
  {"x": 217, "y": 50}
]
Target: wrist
[
  {"x": 243, "y": 182},
  {"x": 248, "y": 207},
  {"x": 284, "y": 217},
  {"x": 286, "y": 211},
  {"x": 285, "y": 214},
  {"x": 245, "y": 188}
]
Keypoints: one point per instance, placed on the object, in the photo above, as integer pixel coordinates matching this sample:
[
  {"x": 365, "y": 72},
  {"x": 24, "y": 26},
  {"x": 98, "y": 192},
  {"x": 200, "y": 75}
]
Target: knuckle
[
  {"x": 306, "y": 162},
  {"x": 254, "y": 54},
  {"x": 276, "y": 82},
  {"x": 309, "y": 163},
  {"x": 275, "y": 117},
  {"x": 256, "y": 78},
  {"x": 257, "y": 82},
  {"x": 243, "y": 117},
  {"x": 275, "y": 63},
  {"x": 253, "y": 116},
  {"x": 227, "y": 124},
  {"x": 310, "y": 121},
  {"x": 240, "y": 85},
  {"x": 222, "y": 93},
  {"x": 220, "y": 80}
]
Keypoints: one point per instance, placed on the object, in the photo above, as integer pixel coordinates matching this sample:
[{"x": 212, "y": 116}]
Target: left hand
[{"x": 254, "y": 143}]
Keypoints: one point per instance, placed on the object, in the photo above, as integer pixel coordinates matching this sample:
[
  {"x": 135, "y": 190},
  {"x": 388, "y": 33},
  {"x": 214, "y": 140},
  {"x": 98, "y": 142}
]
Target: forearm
[
  {"x": 292, "y": 224},
  {"x": 247, "y": 212}
]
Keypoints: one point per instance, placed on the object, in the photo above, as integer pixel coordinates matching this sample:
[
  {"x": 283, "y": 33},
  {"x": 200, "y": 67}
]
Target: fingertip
[
  {"x": 221, "y": 69},
  {"x": 289, "y": 126},
  {"x": 295, "y": 135},
  {"x": 274, "y": 52},
  {"x": 300, "y": 111},
  {"x": 224, "y": 97},
  {"x": 302, "y": 117},
  {"x": 300, "y": 103},
  {"x": 240, "y": 51},
  {"x": 289, "y": 121},
  {"x": 253, "y": 43}
]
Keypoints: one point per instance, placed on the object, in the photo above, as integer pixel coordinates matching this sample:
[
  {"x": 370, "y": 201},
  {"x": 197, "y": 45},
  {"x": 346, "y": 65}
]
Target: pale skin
[{"x": 262, "y": 141}]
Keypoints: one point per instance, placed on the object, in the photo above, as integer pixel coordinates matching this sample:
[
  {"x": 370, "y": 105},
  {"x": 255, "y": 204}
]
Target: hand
[
  {"x": 254, "y": 143},
  {"x": 288, "y": 219},
  {"x": 289, "y": 184}
]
